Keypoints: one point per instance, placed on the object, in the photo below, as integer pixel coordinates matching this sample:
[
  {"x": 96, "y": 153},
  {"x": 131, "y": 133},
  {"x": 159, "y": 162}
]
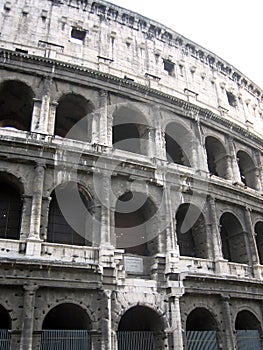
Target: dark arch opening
[
  {"x": 259, "y": 240},
  {"x": 248, "y": 331},
  {"x": 201, "y": 330},
  {"x": 191, "y": 231},
  {"x": 140, "y": 328},
  {"x": 233, "y": 240},
  {"x": 10, "y": 206},
  {"x": 5, "y": 319},
  {"x": 216, "y": 157},
  {"x": 69, "y": 222},
  {"x": 247, "y": 170},
  {"x": 72, "y": 119},
  {"x": 129, "y": 131},
  {"x": 16, "y": 105},
  {"x": 178, "y": 145},
  {"x": 66, "y": 326},
  {"x": 67, "y": 316},
  {"x": 133, "y": 213}
]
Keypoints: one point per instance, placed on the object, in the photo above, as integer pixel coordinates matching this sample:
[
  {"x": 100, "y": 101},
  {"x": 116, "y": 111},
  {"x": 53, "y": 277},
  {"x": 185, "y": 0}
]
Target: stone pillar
[
  {"x": 28, "y": 317},
  {"x": 252, "y": 245},
  {"x": 235, "y": 168},
  {"x": 102, "y": 127},
  {"x": 33, "y": 246},
  {"x": 160, "y": 144},
  {"x": 106, "y": 341},
  {"x": 36, "y": 114},
  {"x": 229, "y": 171},
  {"x": 176, "y": 323},
  {"x": 228, "y": 324},
  {"x": 44, "y": 222},
  {"x": 25, "y": 216},
  {"x": 52, "y": 118}
]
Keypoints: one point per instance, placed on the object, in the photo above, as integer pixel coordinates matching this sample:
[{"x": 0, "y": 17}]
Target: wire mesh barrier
[
  {"x": 5, "y": 337},
  {"x": 201, "y": 340},
  {"x": 248, "y": 340},
  {"x": 135, "y": 341},
  {"x": 65, "y": 340}
]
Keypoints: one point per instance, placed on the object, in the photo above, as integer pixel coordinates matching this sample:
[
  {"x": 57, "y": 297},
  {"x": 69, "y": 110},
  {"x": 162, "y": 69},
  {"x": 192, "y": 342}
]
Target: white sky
[{"x": 232, "y": 29}]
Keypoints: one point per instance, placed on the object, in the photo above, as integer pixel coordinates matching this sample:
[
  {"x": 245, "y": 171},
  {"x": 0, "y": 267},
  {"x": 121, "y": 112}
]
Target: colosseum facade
[{"x": 130, "y": 185}]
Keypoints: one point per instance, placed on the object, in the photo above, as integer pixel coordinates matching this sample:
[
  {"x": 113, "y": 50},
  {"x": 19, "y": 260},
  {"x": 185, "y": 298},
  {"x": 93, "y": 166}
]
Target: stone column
[
  {"x": 252, "y": 245},
  {"x": 52, "y": 117},
  {"x": 28, "y": 317},
  {"x": 228, "y": 324},
  {"x": 160, "y": 144},
  {"x": 176, "y": 324},
  {"x": 229, "y": 171},
  {"x": 102, "y": 127},
  {"x": 106, "y": 341},
  {"x": 25, "y": 216},
  {"x": 36, "y": 114},
  {"x": 235, "y": 168},
  {"x": 45, "y": 212},
  {"x": 33, "y": 246}
]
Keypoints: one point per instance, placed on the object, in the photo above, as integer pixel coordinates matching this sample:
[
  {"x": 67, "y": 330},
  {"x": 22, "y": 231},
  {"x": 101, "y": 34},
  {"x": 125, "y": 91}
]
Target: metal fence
[
  {"x": 248, "y": 340},
  {"x": 65, "y": 340},
  {"x": 201, "y": 340},
  {"x": 135, "y": 341},
  {"x": 5, "y": 337}
]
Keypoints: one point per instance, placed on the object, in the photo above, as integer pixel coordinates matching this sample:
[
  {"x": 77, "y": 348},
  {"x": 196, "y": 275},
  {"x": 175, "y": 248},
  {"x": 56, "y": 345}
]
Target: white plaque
[{"x": 133, "y": 264}]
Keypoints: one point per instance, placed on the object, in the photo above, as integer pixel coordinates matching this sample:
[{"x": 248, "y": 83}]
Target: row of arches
[
  {"x": 135, "y": 223},
  {"x": 139, "y": 328},
  {"x": 130, "y": 131}
]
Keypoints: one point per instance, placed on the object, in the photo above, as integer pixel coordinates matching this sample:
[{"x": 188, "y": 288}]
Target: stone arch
[
  {"x": 258, "y": 229},
  {"x": 130, "y": 130},
  {"x": 72, "y": 120},
  {"x": 178, "y": 142},
  {"x": 201, "y": 329},
  {"x": 247, "y": 170},
  {"x": 191, "y": 231},
  {"x": 11, "y": 191},
  {"x": 67, "y": 324},
  {"x": 134, "y": 212},
  {"x": 248, "y": 331},
  {"x": 141, "y": 327},
  {"x": 216, "y": 157},
  {"x": 16, "y": 105},
  {"x": 233, "y": 240},
  {"x": 68, "y": 220}
]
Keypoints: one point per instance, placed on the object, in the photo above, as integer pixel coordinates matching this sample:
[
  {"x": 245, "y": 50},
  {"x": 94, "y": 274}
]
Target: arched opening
[
  {"x": 233, "y": 239},
  {"x": 191, "y": 231},
  {"x": 178, "y": 144},
  {"x": 5, "y": 327},
  {"x": 259, "y": 240},
  {"x": 248, "y": 331},
  {"x": 72, "y": 120},
  {"x": 140, "y": 328},
  {"x": 247, "y": 170},
  {"x": 66, "y": 326},
  {"x": 70, "y": 216},
  {"x": 10, "y": 207},
  {"x": 129, "y": 131},
  {"x": 201, "y": 330},
  {"x": 216, "y": 157},
  {"x": 16, "y": 105},
  {"x": 133, "y": 224}
]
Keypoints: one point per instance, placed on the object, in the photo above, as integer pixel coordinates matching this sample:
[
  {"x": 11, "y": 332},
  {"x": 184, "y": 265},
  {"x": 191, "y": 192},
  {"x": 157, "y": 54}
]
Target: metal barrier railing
[
  {"x": 135, "y": 340},
  {"x": 65, "y": 340}
]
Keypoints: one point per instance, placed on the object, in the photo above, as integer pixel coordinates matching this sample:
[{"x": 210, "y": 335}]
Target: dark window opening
[
  {"x": 232, "y": 100},
  {"x": 133, "y": 224},
  {"x": 247, "y": 170},
  {"x": 78, "y": 34},
  {"x": 191, "y": 232},
  {"x": 216, "y": 157},
  {"x": 126, "y": 137},
  {"x": 248, "y": 331},
  {"x": 259, "y": 240},
  {"x": 233, "y": 240},
  {"x": 169, "y": 67},
  {"x": 69, "y": 217}
]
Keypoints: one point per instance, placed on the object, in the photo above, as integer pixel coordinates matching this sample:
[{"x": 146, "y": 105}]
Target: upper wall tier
[{"x": 102, "y": 36}]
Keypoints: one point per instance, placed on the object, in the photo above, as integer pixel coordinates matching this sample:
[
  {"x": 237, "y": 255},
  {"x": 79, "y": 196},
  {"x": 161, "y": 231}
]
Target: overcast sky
[{"x": 232, "y": 29}]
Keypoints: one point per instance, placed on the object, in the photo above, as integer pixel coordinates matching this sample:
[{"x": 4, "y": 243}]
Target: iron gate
[
  {"x": 248, "y": 340},
  {"x": 201, "y": 340},
  {"x": 65, "y": 340},
  {"x": 4, "y": 339},
  {"x": 135, "y": 340}
]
